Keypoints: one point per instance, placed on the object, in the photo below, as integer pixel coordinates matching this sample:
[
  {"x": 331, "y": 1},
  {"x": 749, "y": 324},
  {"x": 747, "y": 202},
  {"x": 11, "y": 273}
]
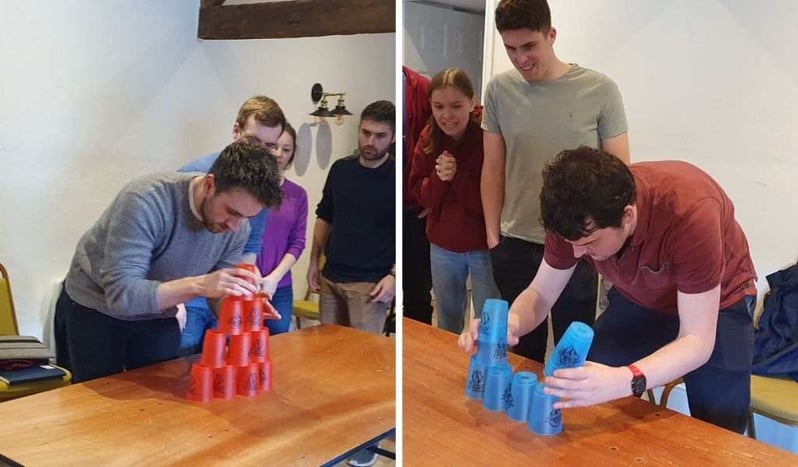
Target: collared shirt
[{"x": 686, "y": 240}]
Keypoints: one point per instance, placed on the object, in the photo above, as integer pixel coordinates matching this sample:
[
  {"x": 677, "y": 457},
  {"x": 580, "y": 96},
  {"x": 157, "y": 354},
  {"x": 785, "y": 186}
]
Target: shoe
[{"x": 363, "y": 458}]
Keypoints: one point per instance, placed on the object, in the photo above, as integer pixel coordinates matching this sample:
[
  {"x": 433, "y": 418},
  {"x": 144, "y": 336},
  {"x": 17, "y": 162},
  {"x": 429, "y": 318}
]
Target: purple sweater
[{"x": 285, "y": 230}]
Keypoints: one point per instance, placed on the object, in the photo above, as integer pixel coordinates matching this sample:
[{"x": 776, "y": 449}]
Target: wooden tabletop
[
  {"x": 442, "y": 427},
  {"x": 333, "y": 390}
]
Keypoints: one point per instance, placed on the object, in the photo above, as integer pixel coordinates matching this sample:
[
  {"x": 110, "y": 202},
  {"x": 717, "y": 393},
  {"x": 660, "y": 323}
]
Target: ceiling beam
[{"x": 295, "y": 18}]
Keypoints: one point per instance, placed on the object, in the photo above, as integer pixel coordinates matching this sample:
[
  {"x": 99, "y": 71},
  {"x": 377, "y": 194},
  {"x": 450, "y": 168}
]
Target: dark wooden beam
[
  {"x": 210, "y": 3},
  {"x": 296, "y": 18}
]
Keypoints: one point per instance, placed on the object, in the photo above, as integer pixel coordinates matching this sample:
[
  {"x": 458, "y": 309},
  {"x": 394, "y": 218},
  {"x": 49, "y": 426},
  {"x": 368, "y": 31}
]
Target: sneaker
[{"x": 363, "y": 458}]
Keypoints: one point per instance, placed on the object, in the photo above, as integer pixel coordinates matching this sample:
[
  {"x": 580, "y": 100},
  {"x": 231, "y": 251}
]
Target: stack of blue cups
[
  {"x": 521, "y": 396},
  {"x": 482, "y": 383}
]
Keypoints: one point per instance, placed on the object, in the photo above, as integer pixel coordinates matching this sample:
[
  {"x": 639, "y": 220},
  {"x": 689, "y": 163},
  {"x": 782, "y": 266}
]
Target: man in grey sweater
[{"x": 165, "y": 239}]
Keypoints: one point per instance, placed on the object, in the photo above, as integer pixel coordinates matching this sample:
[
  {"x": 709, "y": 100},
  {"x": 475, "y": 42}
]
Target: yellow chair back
[{"x": 8, "y": 317}]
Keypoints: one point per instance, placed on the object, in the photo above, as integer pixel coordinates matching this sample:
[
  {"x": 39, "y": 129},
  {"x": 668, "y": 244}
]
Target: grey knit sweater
[{"x": 147, "y": 235}]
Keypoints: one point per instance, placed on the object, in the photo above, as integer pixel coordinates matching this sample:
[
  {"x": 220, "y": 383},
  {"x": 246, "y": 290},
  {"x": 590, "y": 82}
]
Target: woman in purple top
[{"x": 283, "y": 237}]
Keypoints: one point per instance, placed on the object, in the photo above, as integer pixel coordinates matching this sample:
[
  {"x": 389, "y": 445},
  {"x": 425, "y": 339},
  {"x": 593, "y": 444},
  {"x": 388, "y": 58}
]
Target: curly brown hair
[
  {"x": 584, "y": 186},
  {"x": 247, "y": 164}
]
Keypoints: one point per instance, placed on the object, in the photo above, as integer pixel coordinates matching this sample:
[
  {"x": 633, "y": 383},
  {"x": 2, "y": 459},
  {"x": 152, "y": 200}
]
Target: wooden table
[
  {"x": 442, "y": 427},
  {"x": 333, "y": 392}
]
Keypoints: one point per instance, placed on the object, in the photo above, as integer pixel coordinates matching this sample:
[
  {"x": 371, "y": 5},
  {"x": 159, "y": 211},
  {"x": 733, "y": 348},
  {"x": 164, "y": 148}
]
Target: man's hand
[
  {"x": 385, "y": 290},
  {"x": 230, "y": 281},
  {"x": 590, "y": 384},
  {"x": 314, "y": 278},
  {"x": 468, "y": 339},
  {"x": 269, "y": 311},
  {"x": 494, "y": 237}
]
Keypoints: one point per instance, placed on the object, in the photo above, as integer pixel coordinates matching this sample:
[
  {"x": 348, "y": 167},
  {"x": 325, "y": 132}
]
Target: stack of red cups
[{"x": 243, "y": 367}]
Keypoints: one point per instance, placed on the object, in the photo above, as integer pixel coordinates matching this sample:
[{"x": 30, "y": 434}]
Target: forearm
[
  {"x": 321, "y": 234},
  {"x": 172, "y": 293},
  {"x": 492, "y": 183},
  {"x": 282, "y": 267},
  {"x": 492, "y": 190},
  {"x": 674, "y": 360},
  {"x": 530, "y": 309}
]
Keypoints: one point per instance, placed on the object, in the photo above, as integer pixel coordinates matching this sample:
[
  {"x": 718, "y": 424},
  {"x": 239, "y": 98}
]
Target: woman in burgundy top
[{"x": 444, "y": 178}]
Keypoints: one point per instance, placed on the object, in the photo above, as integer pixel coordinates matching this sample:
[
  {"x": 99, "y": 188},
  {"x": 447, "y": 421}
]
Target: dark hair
[
  {"x": 266, "y": 111},
  {"x": 287, "y": 128},
  {"x": 380, "y": 112},
  {"x": 248, "y": 165},
  {"x": 450, "y": 77},
  {"x": 583, "y": 185},
  {"x": 523, "y": 14}
]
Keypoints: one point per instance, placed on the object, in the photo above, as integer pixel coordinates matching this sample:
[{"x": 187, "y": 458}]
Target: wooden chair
[
  {"x": 666, "y": 393},
  {"x": 8, "y": 326}
]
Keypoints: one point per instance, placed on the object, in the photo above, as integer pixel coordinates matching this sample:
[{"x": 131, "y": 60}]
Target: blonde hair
[{"x": 265, "y": 110}]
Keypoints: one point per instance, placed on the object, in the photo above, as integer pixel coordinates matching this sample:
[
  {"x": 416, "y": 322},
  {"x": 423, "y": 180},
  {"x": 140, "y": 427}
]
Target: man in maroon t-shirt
[{"x": 665, "y": 234}]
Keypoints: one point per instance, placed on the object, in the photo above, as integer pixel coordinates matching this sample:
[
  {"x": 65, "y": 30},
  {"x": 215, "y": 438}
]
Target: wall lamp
[{"x": 318, "y": 95}]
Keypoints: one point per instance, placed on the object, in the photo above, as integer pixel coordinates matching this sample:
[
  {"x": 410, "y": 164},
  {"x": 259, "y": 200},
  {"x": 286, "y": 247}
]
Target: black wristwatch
[{"x": 638, "y": 381}]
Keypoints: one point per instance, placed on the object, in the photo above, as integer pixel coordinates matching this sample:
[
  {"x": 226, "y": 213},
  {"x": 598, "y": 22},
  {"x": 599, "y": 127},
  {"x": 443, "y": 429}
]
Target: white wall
[
  {"x": 436, "y": 38},
  {"x": 95, "y": 93},
  {"x": 714, "y": 83}
]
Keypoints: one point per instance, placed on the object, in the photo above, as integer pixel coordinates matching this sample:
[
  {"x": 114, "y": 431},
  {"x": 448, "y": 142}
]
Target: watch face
[{"x": 638, "y": 385}]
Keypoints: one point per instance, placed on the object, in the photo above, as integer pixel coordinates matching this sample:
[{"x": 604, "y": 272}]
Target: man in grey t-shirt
[
  {"x": 165, "y": 239},
  {"x": 533, "y": 112}
]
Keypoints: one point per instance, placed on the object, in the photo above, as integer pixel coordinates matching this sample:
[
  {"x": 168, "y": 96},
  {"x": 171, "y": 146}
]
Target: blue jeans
[
  {"x": 198, "y": 320},
  {"x": 719, "y": 391},
  {"x": 283, "y": 301},
  {"x": 449, "y": 273}
]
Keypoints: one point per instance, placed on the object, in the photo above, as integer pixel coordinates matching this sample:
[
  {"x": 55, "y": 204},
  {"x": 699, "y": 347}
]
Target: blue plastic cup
[
  {"x": 475, "y": 383},
  {"x": 543, "y": 418},
  {"x": 493, "y": 322},
  {"x": 497, "y": 387},
  {"x": 521, "y": 391},
  {"x": 571, "y": 351},
  {"x": 491, "y": 353}
]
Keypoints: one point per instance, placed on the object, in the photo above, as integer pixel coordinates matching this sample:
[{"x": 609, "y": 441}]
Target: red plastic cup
[
  {"x": 200, "y": 386},
  {"x": 213, "y": 349},
  {"x": 248, "y": 267},
  {"x": 224, "y": 382},
  {"x": 247, "y": 380},
  {"x": 253, "y": 313},
  {"x": 265, "y": 376},
  {"x": 238, "y": 355},
  {"x": 259, "y": 347},
  {"x": 231, "y": 316}
]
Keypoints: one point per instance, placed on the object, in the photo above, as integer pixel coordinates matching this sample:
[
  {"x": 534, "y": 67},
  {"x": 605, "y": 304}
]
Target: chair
[
  {"x": 666, "y": 392},
  {"x": 8, "y": 317},
  {"x": 774, "y": 398},
  {"x": 307, "y": 308},
  {"x": 8, "y": 326}
]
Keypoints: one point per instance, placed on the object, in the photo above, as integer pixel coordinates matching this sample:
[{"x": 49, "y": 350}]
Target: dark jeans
[
  {"x": 515, "y": 263},
  {"x": 416, "y": 275},
  {"x": 91, "y": 344},
  {"x": 719, "y": 392}
]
